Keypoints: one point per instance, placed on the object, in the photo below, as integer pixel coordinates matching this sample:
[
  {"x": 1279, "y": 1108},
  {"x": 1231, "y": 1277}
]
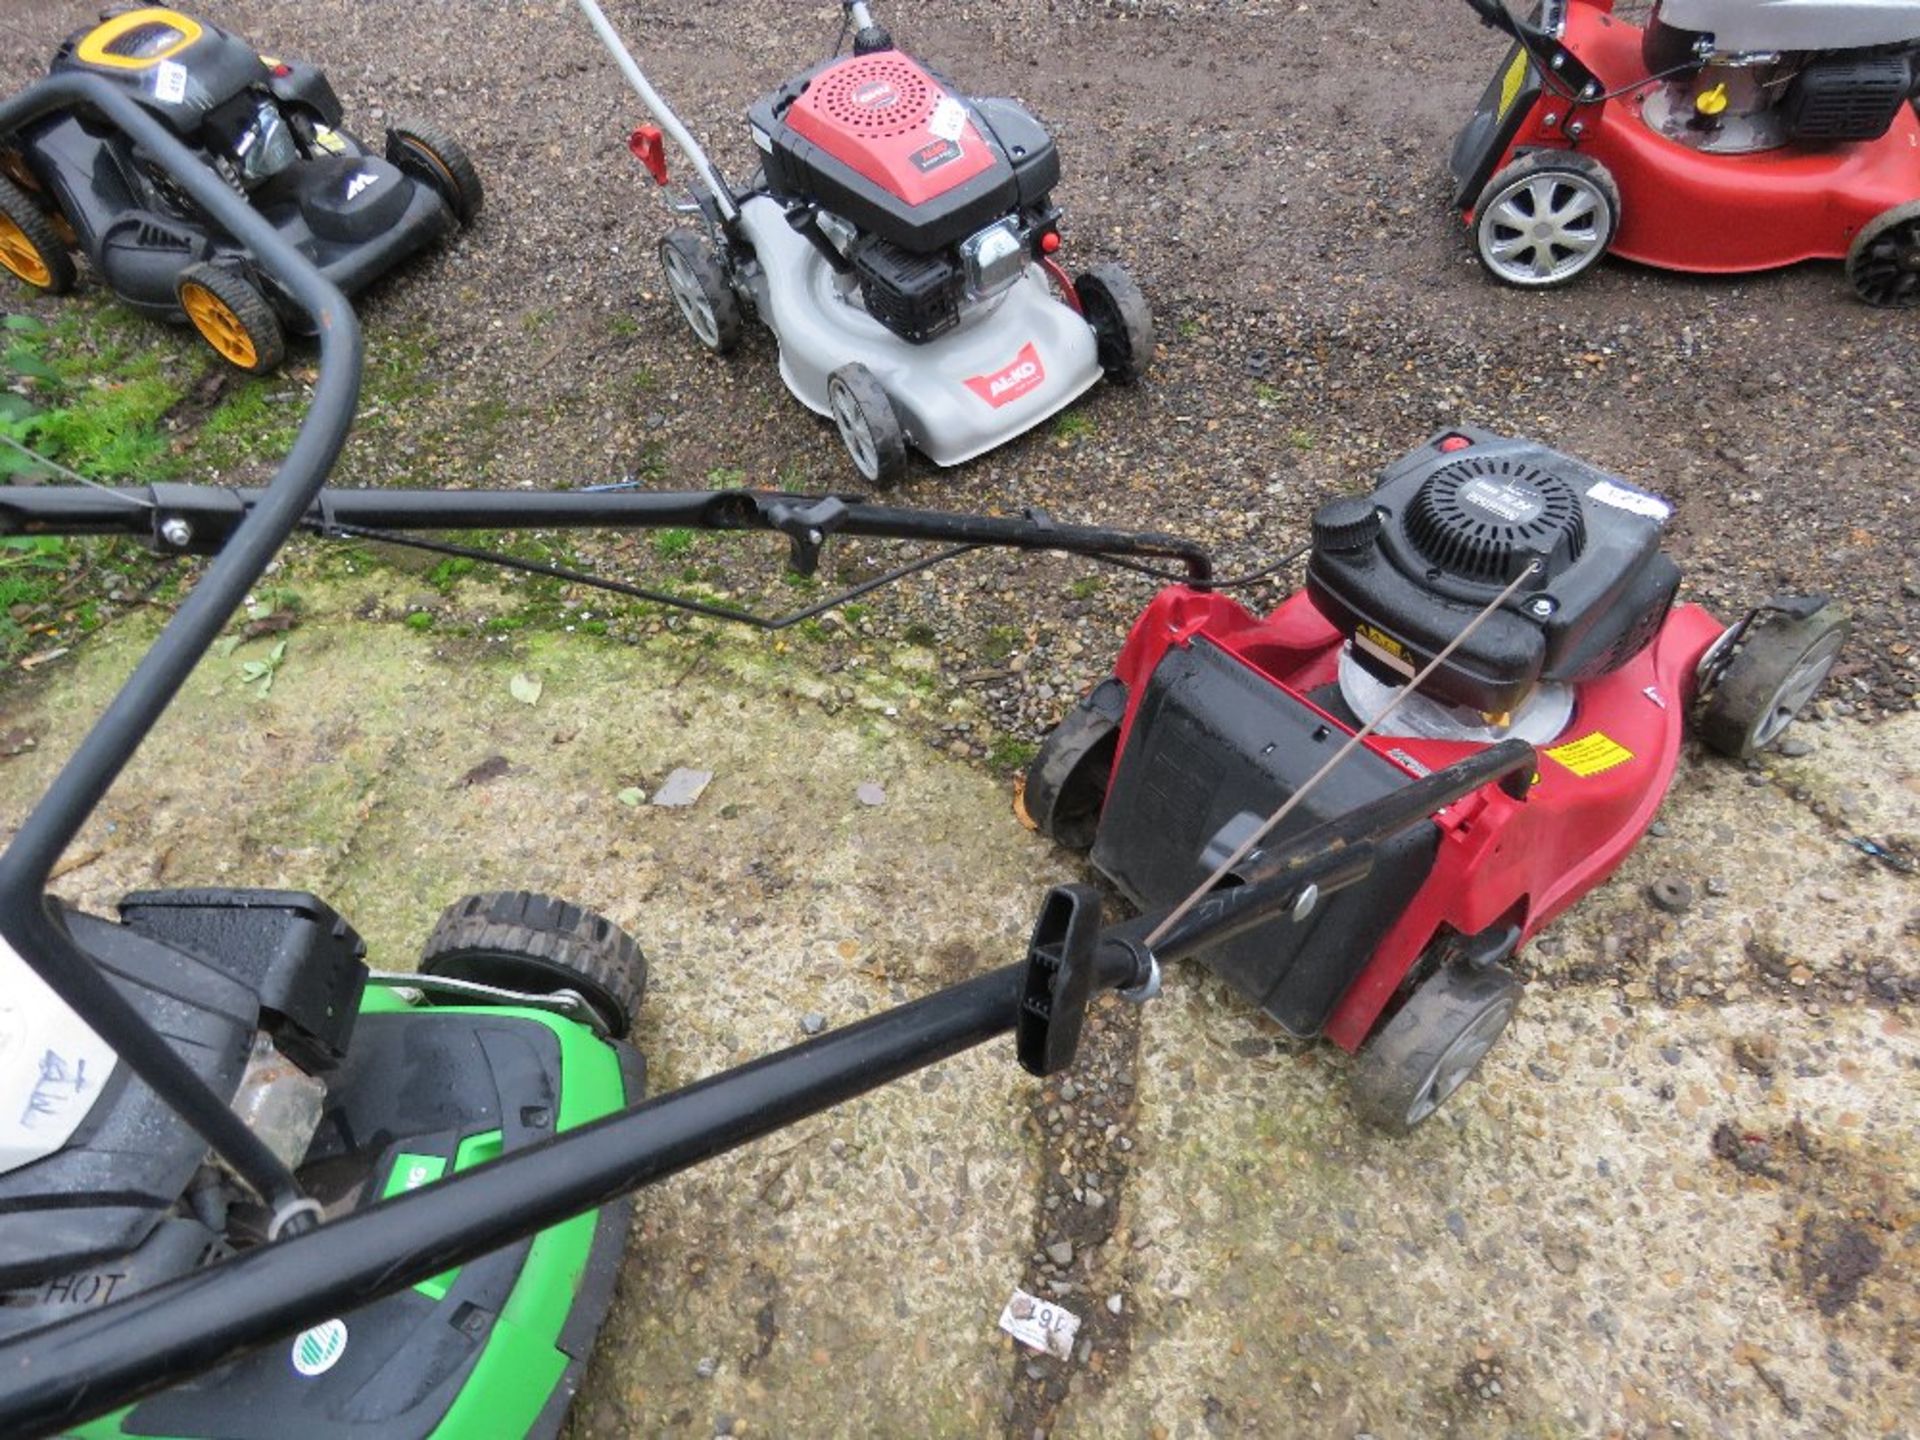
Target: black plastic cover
[
  {"x": 290, "y": 948},
  {"x": 1461, "y": 517},
  {"x": 1214, "y": 743},
  {"x": 1026, "y": 144},
  {"x": 915, "y": 296},
  {"x": 1847, "y": 98},
  {"x": 219, "y": 66},
  {"x": 131, "y": 1158},
  {"x": 308, "y": 87}
]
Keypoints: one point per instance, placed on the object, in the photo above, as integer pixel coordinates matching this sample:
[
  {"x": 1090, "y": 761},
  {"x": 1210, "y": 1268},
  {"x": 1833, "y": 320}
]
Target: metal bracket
[
  {"x": 570, "y": 1003},
  {"x": 806, "y": 526}
]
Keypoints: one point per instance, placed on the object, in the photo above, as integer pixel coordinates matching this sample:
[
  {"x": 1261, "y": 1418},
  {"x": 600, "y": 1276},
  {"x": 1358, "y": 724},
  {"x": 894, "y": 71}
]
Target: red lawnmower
[
  {"x": 1570, "y": 682},
  {"x": 1725, "y": 136}
]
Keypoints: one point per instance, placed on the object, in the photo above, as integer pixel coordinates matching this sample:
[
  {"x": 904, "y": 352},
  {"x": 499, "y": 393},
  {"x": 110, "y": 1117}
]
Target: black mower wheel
[
  {"x": 428, "y": 154},
  {"x": 1546, "y": 219},
  {"x": 1782, "y": 660},
  {"x": 699, "y": 287},
  {"x": 1067, "y": 782},
  {"x": 868, "y": 426},
  {"x": 1122, "y": 321},
  {"x": 518, "y": 940},
  {"x": 1428, "y": 1050},
  {"x": 233, "y": 316},
  {"x": 1883, "y": 263},
  {"x": 29, "y": 246}
]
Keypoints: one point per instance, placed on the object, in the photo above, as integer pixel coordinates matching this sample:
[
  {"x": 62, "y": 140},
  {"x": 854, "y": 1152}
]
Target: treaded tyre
[
  {"x": 1546, "y": 219},
  {"x": 1427, "y": 1051},
  {"x": 427, "y": 153},
  {"x": 1883, "y": 263},
  {"x": 1122, "y": 321},
  {"x": 1781, "y": 662},
  {"x": 868, "y": 426},
  {"x": 699, "y": 288},
  {"x": 232, "y": 316},
  {"x": 519, "y": 940},
  {"x": 1067, "y": 782},
  {"x": 30, "y": 247}
]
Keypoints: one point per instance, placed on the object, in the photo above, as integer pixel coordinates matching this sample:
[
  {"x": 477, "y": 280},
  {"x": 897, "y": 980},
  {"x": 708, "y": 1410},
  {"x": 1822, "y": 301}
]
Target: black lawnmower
[{"x": 271, "y": 130}]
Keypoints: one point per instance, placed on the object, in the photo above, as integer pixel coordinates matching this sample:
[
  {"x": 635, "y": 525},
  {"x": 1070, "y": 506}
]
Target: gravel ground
[
  {"x": 1274, "y": 175},
  {"x": 1581, "y": 1250}
]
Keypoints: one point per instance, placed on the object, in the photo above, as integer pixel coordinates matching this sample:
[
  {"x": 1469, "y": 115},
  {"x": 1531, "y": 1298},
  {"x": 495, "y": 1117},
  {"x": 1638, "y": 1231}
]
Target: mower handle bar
[
  {"x": 29, "y": 922},
  {"x": 657, "y": 107},
  {"x": 199, "y": 519}
]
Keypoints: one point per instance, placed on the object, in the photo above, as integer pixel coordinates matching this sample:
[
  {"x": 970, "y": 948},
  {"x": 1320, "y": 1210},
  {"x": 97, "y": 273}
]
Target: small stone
[
  {"x": 1116, "y": 1303},
  {"x": 1095, "y": 1200},
  {"x": 706, "y": 1368},
  {"x": 682, "y": 789},
  {"x": 871, "y": 795},
  {"x": 1794, "y": 748},
  {"x": 1457, "y": 1225},
  {"x": 1061, "y": 1253},
  {"x": 1069, "y": 1091},
  {"x": 813, "y": 1023},
  {"x": 1671, "y": 895}
]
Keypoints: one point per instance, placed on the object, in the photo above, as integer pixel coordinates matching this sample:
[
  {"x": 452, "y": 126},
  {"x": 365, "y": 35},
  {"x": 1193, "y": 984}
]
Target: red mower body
[
  {"x": 1497, "y": 861},
  {"x": 1682, "y": 208}
]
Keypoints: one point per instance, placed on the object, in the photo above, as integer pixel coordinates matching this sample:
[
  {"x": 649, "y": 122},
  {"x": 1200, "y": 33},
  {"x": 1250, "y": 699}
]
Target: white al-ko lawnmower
[{"x": 901, "y": 242}]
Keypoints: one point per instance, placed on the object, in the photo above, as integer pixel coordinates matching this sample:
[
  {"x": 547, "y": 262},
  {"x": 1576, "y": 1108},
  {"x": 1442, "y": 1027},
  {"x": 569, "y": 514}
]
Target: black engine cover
[
  {"x": 1447, "y": 528},
  {"x": 1847, "y": 98}
]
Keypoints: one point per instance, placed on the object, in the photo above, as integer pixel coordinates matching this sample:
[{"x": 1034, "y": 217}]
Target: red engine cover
[{"x": 884, "y": 117}]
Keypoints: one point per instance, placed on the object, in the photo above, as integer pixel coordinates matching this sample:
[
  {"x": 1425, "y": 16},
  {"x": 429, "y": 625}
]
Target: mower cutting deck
[
  {"x": 901, "y": 241},
  {"x": 1726, "y": 136},
  {"x": 1215, "y": 716}
]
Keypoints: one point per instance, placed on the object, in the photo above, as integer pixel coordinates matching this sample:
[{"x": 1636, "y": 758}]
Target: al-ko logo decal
[
  {"x": 1003, "y": 387},
  {"x": 318, "y": 1350},
  {"x": 876, "y": 95}
]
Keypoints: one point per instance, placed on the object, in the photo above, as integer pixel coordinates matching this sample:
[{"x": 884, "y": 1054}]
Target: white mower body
[
  {"x": 1759, "y": 25},
  {"x": 1010, "y": 363}
]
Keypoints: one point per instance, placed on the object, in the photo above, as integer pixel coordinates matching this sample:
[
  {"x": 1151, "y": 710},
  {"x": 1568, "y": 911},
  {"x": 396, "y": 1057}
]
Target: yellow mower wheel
[
  {"x": 233, "y": 317},
  {"x": 29, "y": 246}
]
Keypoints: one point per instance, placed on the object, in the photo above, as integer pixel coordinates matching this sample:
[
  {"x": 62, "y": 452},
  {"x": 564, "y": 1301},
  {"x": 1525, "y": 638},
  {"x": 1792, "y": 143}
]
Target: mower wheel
[
  {"x": 1782, "y": 660},
  {"x": 1433, "y": 1045},
  {"x": 699, "y": 287},
  {"x": 29, "y": 246},
  {"x": 233, "y": 316},
  {"x": 868, "y": 426},
  {"x": 1546, "y": 219},
  {"x": 1883, "y": 263},
  {"x": 1067, "y": 782},
  {"x": 517, "y": 940},
  {"x": 1122, "y": 321},
  {"x": 428, "y": 154}
]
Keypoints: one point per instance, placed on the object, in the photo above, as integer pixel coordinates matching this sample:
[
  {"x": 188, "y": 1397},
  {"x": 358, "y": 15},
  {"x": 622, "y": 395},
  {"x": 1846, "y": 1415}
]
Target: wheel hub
[{"x": 19, "y": 255}]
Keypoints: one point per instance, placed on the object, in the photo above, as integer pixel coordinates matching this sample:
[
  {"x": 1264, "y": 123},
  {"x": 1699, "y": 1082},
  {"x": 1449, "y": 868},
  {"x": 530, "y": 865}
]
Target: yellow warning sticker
[
  {"x": 1383, "y": 647},
  {"x": 1591, "y": 754},
  {"x": 1510, "y": 83}
]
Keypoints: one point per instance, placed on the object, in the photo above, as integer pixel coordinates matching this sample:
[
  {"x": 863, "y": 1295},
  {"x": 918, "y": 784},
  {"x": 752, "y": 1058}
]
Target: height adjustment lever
[
  {"x": 807, "y": 525},
  {"x": 1053, "y": 1002}
]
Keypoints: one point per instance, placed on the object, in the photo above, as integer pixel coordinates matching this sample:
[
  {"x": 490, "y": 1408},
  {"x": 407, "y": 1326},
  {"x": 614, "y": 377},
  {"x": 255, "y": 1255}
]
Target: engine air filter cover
[{"x": 1456, "y": 522}]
